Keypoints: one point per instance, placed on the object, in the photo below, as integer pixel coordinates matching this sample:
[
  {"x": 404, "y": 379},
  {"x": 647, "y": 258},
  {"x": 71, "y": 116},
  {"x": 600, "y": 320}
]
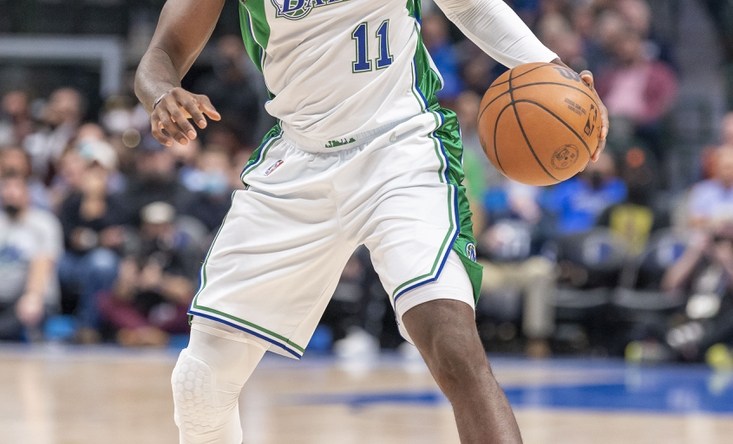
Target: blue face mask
[{"x": 214, "y": 184}]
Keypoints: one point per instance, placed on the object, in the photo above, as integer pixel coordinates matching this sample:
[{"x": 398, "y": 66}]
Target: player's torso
[{"x": 336, "y": 67}]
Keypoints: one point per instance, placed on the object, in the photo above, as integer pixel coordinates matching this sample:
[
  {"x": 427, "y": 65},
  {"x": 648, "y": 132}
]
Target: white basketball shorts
[{"x": 279, "y": 253}]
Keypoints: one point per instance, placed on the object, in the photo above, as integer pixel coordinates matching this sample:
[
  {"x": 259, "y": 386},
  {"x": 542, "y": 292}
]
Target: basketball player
[{"x": 362, "y": 154}]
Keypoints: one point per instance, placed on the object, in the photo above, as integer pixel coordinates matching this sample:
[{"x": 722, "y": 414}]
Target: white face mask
[{"x": 117, "y": 121}]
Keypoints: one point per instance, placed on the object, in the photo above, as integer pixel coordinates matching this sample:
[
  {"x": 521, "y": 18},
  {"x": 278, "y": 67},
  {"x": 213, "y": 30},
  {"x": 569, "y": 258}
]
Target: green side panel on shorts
[
  {"x": 258, "y": 156},
  {"x": 465, "y": 244},
  {"x": 255, "y": 29},
  {"x": 427, "y": 84}
]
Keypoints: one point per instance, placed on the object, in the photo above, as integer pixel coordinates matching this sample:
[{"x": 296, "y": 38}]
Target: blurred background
[{"x": 102, "y": 230}]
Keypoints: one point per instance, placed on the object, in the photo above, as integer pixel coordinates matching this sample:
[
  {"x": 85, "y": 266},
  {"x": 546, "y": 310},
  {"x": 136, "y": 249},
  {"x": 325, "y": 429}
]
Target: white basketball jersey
[{"x": 336, "y": 68}]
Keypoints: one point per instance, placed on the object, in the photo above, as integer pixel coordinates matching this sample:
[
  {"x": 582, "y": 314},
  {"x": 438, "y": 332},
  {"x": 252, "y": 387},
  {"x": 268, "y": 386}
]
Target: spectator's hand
[
  {"x": 151, "y": 276},
  {"x": 29, "y": 309},
  {"x": 587, "y": 78},
  {"x": 177, "y": 289},
  {"x": 127, "y": 280},
  {"x": 169, "y": 118}
]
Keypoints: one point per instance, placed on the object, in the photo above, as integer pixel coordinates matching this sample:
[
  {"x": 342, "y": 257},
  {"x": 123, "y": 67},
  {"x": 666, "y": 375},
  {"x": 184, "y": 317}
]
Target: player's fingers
[
  {"x": 181, "y": 129},
  {"x": 170, "y": 126},
  {"x": 588, "y": 79},
  {"x": 194, "y": 110},
  {"x": 156, "y": 129},
  {"x": 208, "y": 108},
  {"x": 603, "y": 134}
]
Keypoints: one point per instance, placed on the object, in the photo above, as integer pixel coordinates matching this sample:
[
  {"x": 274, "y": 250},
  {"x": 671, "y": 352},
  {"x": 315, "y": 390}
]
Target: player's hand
[
  {"x": 169, "y": 119},
  {"x": 587, "y": 78}
]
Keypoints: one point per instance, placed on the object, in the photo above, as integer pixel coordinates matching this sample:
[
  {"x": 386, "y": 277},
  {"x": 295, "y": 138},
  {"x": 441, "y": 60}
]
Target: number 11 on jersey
[{"x": 361, "y": 40}]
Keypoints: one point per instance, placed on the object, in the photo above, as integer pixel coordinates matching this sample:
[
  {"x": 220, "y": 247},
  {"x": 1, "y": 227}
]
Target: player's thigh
[
  {"x": 415, "y": 218},
  {"x": 452, "y": 289},
  {"x": 272, "y": 268}
]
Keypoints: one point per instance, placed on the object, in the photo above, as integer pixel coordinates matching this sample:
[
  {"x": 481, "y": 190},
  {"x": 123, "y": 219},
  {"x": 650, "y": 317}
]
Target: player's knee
[
  {"x": 457, "y": 363},
  {"x": 200, "y": 406}
]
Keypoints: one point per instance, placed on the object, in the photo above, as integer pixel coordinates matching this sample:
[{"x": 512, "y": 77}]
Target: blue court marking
[
  {"x": 653, "y": 390},
  {"x": 674, "y": 389}
]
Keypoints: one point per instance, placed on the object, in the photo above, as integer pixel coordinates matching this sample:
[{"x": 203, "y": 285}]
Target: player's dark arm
[
  {"x": 495, "y": 28},
  {"x": 183, "y": 29}
]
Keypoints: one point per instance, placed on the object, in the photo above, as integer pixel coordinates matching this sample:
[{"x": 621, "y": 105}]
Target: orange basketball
[{"x": 539, "y": 123}]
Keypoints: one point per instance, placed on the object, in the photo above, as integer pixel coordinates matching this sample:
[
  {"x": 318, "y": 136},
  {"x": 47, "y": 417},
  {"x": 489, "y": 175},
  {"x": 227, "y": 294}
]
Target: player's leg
[
  {"x": 418, "y": 230},
  {"x": 439, "y": 320},
  {"x": 268, "y": 276},
  {"x": 208, "y": 379}
]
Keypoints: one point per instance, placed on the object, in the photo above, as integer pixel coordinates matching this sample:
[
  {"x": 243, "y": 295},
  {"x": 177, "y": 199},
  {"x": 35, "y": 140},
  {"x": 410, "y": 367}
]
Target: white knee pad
[
  {"x": 196, "y": 410},
  {"x": 206, "y": 382}
]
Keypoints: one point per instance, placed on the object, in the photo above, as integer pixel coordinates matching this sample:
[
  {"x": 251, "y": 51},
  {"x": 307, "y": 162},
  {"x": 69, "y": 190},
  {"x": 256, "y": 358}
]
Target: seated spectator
[
  {"x": 15, "y": 118},
  {"x": 705, "y": 270},
  {"x": 155, "y": 284},
  {"x": 574, "y": 206},
  {"x": 15, "y": 161},
  {"x": 210, "y": 184},
  {"x": 30, "y": 245},
  {"x": 92, "y": 220},
  {"x": 155, "y": 179},
  {"x": 639, "y": 93},
  {"x": 636, "y": 217},
  {"x": 61, "y": 117},
  {"x": 511, "y": 263},
  {"x": 710, "y": 202}
]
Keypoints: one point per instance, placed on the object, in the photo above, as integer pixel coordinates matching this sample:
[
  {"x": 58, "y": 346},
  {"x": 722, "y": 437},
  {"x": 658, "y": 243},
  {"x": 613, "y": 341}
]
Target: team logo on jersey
[
  {"x": 471, "y": 251},
  {"x": 297, "y": 9}
]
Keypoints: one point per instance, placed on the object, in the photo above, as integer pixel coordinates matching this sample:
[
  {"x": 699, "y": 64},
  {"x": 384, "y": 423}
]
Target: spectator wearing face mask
[
  {"x": 15, "y": 161},
  {"x": 156, "y": 282},
  {"x": 92, "y": 218},
  {"x": 154, "y": 178},
  {"x": 209, "y": 181},
  {"x": 30, "y": 245}
]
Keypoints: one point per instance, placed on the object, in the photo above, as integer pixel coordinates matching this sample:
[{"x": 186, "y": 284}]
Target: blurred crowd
[{"x": 103, "y": 230}]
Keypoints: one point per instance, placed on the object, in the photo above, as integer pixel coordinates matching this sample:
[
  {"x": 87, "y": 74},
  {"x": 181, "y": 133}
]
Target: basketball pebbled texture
[{"x": 539, "y": 123}]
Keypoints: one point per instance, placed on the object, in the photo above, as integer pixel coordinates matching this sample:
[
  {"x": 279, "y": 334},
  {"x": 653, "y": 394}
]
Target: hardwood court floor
[{"x": 111, "y": 396}]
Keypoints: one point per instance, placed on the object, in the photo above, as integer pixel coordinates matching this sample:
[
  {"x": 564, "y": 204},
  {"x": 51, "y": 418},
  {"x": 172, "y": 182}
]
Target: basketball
[{"x": 538, "y": 123}]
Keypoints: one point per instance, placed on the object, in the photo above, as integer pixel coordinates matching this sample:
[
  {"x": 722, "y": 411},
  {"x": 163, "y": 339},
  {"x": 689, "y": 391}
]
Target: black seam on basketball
[
  {"x": 520, "y": 75},
  {"x": 559, "y": 84},
  {"x": 496, "y": 150},
  {"x": 550, "y": 112},
  {"x": 524, "y": 134},
  {"x": 481, "y": 112}
]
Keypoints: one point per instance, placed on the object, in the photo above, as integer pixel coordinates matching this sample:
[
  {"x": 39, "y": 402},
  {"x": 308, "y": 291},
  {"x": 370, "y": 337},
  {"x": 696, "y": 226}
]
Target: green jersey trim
[
  {"x": 255, "y": 30},
  {"x": 449, "y": 148}
]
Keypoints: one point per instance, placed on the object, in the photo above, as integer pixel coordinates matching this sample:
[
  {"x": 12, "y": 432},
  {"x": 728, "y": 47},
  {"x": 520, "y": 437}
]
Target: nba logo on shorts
[
  {"x": 273, "y": 167},
  {"x": 471, "y": 251}
]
